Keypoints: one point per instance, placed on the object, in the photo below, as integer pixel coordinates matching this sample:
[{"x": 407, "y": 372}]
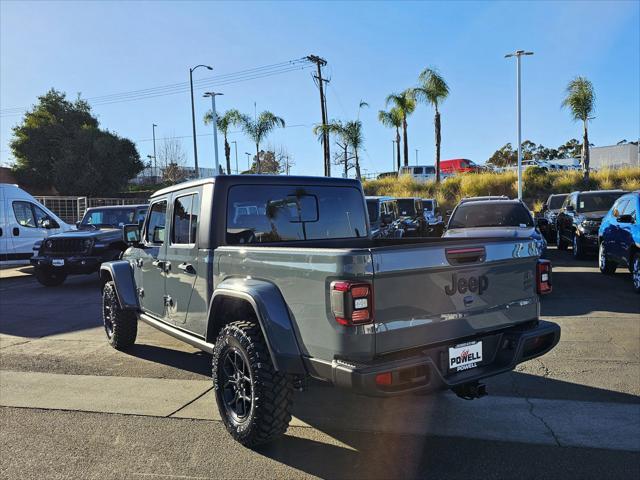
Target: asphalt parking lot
[{"x": 72, "y": 407}]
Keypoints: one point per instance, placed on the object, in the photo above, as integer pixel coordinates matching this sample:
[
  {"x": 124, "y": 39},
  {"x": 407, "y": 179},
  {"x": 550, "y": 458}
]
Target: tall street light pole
[
  {"x": 416, "y": 156},
  {"x": 248, "y": 160},
  {"x": 235, "y": 144},
  {"x": 193, "y": 118},
  {"x": 393, "y": 144},
  {"x": 155, "y": 164},
  {"x": 215, "y": 127},
  {"x": 518, "y": 54}
]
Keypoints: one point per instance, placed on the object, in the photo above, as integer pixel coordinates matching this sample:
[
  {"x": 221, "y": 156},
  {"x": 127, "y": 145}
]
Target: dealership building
[{"x": 615, "y": 156}]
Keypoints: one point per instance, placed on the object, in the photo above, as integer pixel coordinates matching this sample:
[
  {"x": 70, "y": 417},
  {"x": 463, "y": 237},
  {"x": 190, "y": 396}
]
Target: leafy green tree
[
  {"x": 266, "y": 162},
  {"x": 257, "y": 130},
  {"x": 580, "y": 100},
  {"x": 59, "y": 144},
  {"x": 225, "y": 121},
  {"x": 504, "y": 156},
  {"x": 433, "y": 89},
  {"x": 392, "y": 119},
  {"x": 570, "y": 149},
  {"x": 405, "y": 102}
]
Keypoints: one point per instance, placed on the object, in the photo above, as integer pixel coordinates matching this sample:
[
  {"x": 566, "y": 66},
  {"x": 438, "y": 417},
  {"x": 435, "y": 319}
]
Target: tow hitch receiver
[{"x": 472, "y": 390}]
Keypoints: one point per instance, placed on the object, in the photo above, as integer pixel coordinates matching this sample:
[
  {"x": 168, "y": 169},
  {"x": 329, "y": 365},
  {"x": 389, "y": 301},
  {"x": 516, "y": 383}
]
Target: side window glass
[
  {"x": 630, "y": 208},
  {"x": 156, "y": 223},
  {"x": 41, "y": 216},
  {"x": 185, "y": 219},
  {"x": 618, "y": 208},
  {"x": 24, "y": 214}
]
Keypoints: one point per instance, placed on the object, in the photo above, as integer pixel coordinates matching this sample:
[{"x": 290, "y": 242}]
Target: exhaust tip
[{"x": 470, "y": 391}]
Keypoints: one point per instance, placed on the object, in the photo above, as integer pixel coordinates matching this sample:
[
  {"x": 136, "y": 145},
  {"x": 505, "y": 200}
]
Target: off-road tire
[
  {"x": 577, "y": 247},
  {"x": 121, "y": 326},
  {"x": 271, "y": 395},
  {"x": 607, "y": 266},
  {"x": 50, "y": 277},
  {"x": 635, "y": 272},
  {"x": 560, "y": 243}
]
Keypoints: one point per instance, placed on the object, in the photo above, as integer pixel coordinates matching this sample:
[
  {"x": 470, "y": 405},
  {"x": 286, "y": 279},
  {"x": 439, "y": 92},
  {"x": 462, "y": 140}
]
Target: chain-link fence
[{"x": 71, "y": 209}]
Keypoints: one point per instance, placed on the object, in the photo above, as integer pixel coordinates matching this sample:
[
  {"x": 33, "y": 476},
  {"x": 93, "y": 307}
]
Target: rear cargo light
[
  {"x": 384, "y": 379},
  {"x": 543, "y": 277},
  {"x": 352, "y": 302}
]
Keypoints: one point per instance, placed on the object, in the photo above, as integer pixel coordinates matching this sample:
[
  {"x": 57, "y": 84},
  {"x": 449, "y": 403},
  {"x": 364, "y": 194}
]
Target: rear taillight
[
  {"x": 352, "y": 302},
  {"x": 543, "y": 277}
]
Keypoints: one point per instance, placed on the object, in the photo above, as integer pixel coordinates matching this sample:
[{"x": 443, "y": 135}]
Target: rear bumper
[
  {"x": 428, "y": 370},
  {"x": 71, "y": 265}
]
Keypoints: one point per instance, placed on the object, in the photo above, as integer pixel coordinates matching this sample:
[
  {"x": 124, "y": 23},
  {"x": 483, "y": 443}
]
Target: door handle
[
  {"x": 187, "y": 267},
  {"x": 16, "y": 232}
]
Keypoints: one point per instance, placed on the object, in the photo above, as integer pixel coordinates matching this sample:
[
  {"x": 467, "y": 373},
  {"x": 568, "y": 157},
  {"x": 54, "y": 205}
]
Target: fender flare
[
  {"x": 272, "y": 314},
  {"x": 121, "y": 273}
]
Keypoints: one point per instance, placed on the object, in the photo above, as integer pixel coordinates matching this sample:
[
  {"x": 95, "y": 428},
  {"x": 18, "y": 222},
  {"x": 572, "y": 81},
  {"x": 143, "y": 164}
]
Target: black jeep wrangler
[{"x": 98, "y": 239}]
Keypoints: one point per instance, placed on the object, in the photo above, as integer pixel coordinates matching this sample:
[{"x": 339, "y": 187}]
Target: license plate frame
[
  {"x": 57, "y": 262},
  {"x": 465, "y": 356}
]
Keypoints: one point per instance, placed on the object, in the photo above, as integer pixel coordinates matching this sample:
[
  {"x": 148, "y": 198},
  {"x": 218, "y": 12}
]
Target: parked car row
[
  {"x": 603, "y": 222},
  {"x": 404, "y": 217}
]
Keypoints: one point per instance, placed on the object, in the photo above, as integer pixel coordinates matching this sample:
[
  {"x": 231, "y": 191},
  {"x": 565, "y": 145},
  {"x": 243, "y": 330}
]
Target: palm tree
[
  {"x": 405, "y": 102},
  {"x": 258, "y": 129},
  {"x": 392, "y": 119},
  {"x": 581, "y": 99},
  {"x": 337, "y": 129},
  {"x": 432, "y": 89},
  {"x": 230, "y": 117},
  {"x": 354, "y": 137}
]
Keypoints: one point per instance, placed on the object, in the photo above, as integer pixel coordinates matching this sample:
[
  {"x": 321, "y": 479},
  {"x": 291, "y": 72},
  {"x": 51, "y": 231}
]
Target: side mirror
[
  {"x": 386, "y": 218},
  {"x": 625, "y": 219},
  {"x": 545, "y": 207},
  {"x": 78, "y": 223},
  {"x": 570, "y": 208},
  {"x": 49, "y": 223},
  {"x": 131, "y": 234},
  {"x": 449, "y": 212}
]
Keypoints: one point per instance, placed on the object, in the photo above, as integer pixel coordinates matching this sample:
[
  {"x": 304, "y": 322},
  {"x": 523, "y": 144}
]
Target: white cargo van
[
  {"x": 421, "y": 173},
  {"x": 23, "y": 221}
]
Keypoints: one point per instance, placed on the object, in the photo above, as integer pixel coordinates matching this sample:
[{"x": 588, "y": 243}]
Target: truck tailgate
[{"x": 428, "y": 294}]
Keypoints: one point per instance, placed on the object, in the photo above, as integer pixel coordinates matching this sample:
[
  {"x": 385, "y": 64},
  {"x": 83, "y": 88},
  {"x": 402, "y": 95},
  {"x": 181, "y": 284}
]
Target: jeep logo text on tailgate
[{"x": 463, "y": 285}]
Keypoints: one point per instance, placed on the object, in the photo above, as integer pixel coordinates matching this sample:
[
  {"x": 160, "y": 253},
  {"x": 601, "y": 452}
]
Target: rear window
[
  {"x": 596, "y": 202},
  {"x": 428, "y": 204},
  {"x": 407, "y": 207},
  {"x": 280, "y": 213},
  {"x": 372, "y": 207},
  {"x": 499, "y": 214},
  {"x": 556, "y": 201}
]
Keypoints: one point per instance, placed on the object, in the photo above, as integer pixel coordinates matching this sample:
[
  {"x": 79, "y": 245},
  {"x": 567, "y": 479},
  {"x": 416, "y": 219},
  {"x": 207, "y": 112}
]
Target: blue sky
[{"x": 372, "y": 49}]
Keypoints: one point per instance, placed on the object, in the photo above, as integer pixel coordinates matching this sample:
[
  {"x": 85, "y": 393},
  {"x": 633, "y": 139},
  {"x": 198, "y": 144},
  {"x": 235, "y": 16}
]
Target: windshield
[
  {"x": 498, "y": 214},
  {"x": 407, "y": 207},
  {"x": 597, "y": 202},
  {"x": 109, "y": 217},
  {"x": 372, "y": 207},
  {"x": 556, "y": 201}
]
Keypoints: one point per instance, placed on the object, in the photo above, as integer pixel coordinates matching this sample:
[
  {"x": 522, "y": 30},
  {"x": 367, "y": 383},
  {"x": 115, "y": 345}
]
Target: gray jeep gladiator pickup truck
[{"x": 279, "y": 278}]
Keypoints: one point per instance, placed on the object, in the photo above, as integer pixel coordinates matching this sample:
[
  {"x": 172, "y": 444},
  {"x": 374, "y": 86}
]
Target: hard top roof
[{"x": 260, "y": 180}]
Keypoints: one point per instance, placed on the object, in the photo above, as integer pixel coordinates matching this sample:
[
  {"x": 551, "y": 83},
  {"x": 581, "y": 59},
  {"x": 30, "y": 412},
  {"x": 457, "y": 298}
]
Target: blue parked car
[{"x": 619, "y": 237}]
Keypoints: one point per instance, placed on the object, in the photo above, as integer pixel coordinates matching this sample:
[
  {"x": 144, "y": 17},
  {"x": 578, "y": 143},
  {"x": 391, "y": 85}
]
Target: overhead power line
[{"x": 176, "y": 88}]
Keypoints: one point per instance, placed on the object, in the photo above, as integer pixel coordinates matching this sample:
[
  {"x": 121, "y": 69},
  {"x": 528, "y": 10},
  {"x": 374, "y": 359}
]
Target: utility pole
[
  {"x": 321, "y": 62},
  {"x": 248, "y": 160},
  {"x": 393, "y": 144},
  {"x": 235, "y": 144},
  {"x": 155, "y": 164},
  {"x": 518, "y": 54},
  {"x": 215, "y": 127}
]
